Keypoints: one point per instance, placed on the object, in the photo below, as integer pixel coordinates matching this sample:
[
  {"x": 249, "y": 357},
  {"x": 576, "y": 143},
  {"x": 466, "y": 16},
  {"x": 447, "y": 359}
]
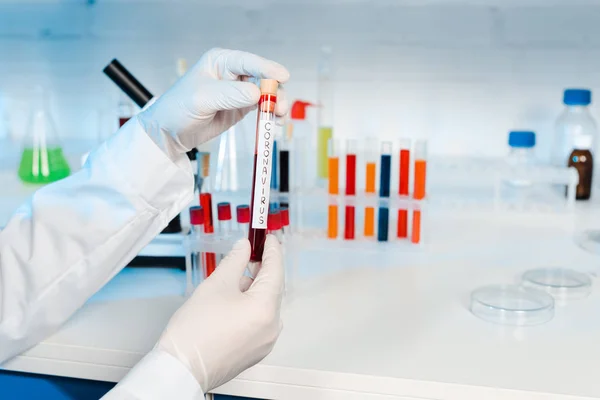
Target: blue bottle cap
[
  {"x": 524, "y": 139},
  {"x": 577, "y": 97}
]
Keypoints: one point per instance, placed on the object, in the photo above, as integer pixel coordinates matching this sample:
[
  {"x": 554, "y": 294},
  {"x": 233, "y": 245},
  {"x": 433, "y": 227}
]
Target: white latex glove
[
  {"x": 216, "y": 93},
  {"x": 231, "y": 322}
]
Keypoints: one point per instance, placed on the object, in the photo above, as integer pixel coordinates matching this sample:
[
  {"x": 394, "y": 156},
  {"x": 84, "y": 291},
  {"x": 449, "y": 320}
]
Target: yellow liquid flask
[{"x": 42, "y": 160}]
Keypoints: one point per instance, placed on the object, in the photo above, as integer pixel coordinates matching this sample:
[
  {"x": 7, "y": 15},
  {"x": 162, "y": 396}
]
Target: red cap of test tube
[
  {"x": 224, "y": 211},
  {"x": 285, "y": 216},
  {"x": 274, "y": 220},
  {"x": 243, "y": 214},
  {"x": 197, "y": 215}
]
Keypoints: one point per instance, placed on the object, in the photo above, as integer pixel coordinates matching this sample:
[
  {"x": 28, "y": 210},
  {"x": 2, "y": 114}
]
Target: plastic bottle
[
  {"x": 581, "y": 158},
  {"x": 521, "y": 154},
  {"x": 42, "y": 160},
  {"x": 574, "y": 121}
]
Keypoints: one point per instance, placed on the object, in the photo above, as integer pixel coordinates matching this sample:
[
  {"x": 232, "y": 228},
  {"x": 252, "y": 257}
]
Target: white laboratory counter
[{"x": 402, "y": 331}]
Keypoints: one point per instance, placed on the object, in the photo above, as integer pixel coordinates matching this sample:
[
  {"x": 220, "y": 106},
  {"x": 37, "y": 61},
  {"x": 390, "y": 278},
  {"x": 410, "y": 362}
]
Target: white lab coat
[{"x": 73, "y": 236}]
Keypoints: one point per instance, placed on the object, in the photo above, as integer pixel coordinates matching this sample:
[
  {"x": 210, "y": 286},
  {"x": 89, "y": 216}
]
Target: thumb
[
  {"x": 270, "y": 278},
  {"x": 232, "y": 95},
  {"x": 231, "y": 269}
]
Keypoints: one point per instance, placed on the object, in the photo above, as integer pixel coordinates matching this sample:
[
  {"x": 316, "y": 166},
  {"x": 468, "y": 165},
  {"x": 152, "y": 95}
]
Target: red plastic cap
[
  {"x": 224, "y": 211},
  {"x": 285, "y": 216},
  {"x": 299, "y": 109},
  {"x": 243, "y": 214},
  {"x": 197, "y": 215},
  {"x": 274, "y": 221}
]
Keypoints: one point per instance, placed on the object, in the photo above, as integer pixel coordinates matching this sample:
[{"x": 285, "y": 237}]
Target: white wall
[{"x": 459, "y": 72}]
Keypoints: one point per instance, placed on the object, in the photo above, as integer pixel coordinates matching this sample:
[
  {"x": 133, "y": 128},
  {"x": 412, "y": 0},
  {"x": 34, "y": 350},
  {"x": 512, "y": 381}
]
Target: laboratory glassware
[
  {"x": 125, "y": 109},
  {"x": 274, "y": 224},
  {"x": 285, "y": 219},
  {"x": 243, "y": 218},
  {"x": 350, "y": 211},
  {"x": 263, "y": 158},
  {"x": 575, "y": 120},
  {"x": 42, "y": 158},
  {"x": 561, "y": 283},
  {"x": 420, "y": 185},
  {"x": 209, "y": 229},
  {"x": 403, "y": 186},
  {"x": 582, "y": 160},
  {"x": 197, "y": 232},
  {"x": 512, "y": 305},
  {"x": 325, "y": 111},
  {"x": 521, "y": 154},
  {"x": 333, "y": 190},
  {"x": 284, "y": 171},
  {"x": 224, "y": 219},
  {"x": 384, "y": 190},
  {"x": 370, "y": 174}
]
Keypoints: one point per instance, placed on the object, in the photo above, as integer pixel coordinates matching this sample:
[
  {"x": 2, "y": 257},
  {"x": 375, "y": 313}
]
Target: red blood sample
[{"x": 257, "y": 236}]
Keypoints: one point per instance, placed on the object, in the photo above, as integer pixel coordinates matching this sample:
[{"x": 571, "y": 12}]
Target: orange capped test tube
[
  {"x": 333, "y": 163},
  {"x": 370, "y": 176},
  {"x": 420, "y": 184},
  {"x": 420, "y": 169}
]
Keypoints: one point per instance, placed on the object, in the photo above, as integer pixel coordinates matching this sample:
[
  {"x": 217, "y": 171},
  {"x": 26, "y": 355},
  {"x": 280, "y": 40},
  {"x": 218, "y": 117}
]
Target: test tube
[
  {"x": 224, "y": 218},
  {"x": 274, "y": 224},
  {"x": 403, "y": 186},
  {"x": 333, "y": 188},
  {"x": 285, "y": 219},
  {"x": 243, "y": 218},
  {"x": 209, "y": 229},
  {"x": 197, "y": 267},
  {"x": 420, "y": 169},
  {"x": 284, "y": 172},
  {"x": 370, "y": 173},
  {"x": 384, "y": 190},
  {"x": 351, "y": 149},
  {"x": 416, "y": 227},
  {"x": 325, "y": 112},
  {"x": 263, "y": 156},
  {"x": 125, "y": 110}
]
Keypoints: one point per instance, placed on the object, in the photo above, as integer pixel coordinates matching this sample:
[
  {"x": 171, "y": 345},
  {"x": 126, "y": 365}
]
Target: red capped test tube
[
  {"x": 197, "y": 264},
  {"x": 210, "y": 258},
  {"x": 274, "y": 224},
  {"x": 263, "y": 160},
  {"x": 224, "y": 218},
  {"x": 403, "y": 186},
  {"x": 285, "y": 219},
  {"x": 243, "y": 218},
  {"x": 351, "y": 149}
]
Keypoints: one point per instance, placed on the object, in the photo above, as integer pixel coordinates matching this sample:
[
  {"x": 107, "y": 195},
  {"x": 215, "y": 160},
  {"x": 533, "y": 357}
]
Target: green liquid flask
[{"x": 42, "y": 160}]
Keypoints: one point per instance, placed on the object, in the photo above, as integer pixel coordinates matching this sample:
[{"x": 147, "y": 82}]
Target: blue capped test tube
[{"x": 384, "y": 191}]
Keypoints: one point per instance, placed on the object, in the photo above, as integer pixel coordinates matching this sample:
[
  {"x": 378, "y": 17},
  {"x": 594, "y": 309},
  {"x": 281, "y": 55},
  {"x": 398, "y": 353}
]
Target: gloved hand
[
  {"x": 231, "y": 322},
  {"x": 216, "y": 93}
]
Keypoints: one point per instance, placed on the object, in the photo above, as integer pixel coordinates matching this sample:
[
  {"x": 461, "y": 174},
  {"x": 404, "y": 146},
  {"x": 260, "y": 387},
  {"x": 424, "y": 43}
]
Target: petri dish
[
  {"x": 589, "y": 240},
  {"x": 512, "y": 305},
  {"x": 561, "y": 283}
]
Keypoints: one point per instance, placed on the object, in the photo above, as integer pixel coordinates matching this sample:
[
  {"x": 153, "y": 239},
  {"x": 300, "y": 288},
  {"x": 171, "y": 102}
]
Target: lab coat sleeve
[
  {"x": 157, "y": 376},
  {"x": 73, "y": 236}
]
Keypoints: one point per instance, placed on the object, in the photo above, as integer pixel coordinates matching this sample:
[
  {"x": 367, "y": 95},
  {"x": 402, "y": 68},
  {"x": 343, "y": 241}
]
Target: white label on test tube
[{"x": 262, "y": 180}]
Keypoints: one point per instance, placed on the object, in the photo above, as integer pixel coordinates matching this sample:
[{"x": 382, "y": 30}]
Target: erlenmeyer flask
[{"x": 42, "y": 160}]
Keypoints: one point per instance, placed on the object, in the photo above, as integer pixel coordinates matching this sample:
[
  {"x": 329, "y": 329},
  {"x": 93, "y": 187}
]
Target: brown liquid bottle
[{"x": 581, "y": 158}]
